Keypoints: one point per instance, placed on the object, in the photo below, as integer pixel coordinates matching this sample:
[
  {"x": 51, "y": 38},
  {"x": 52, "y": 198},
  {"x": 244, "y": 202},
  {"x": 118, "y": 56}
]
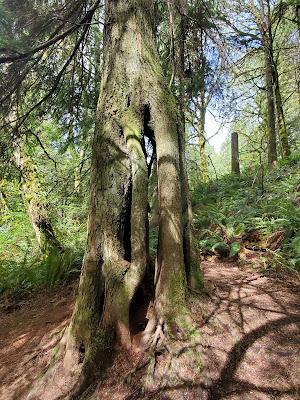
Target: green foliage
[
  {"x": 234, "y": 249},
  {"x": 21, "y": 266},
  {"x": 153, "y": 239},
  {"x": 35, "y": 273},
  {"x": 228, "y": 210}
]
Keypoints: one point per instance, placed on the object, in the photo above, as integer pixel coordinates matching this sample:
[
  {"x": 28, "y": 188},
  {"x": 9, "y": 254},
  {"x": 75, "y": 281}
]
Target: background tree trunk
[
  {"x": 36, "y": 209},
  {"x": 202, "y": 109},
  {"x": 235, "y": 162},
  {"x": 282, "y": 131},
  {"x": 272, "y": 148},
  {"x": 191, "y": 256}
]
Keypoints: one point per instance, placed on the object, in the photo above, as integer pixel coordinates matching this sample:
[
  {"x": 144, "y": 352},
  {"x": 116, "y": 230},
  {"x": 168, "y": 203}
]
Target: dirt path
[
  {"x": 250, "y": 337},
  {"x": 29, "y": 332}
]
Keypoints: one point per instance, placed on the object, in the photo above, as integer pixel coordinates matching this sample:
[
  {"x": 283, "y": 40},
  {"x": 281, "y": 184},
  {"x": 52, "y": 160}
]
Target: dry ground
[{"x": 250, "y": 333}]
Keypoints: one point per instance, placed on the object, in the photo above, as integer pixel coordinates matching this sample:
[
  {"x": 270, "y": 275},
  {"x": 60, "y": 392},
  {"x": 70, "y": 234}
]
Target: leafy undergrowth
[
  {"x": 22, "y": 267},
  {"x": 35, "y": 273},
  {"x": 261, "y": 213}
]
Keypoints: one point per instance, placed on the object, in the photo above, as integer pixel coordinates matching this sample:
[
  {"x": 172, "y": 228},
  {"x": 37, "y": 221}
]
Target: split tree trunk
[
  {"x": 133, "y": 88},
  {"x": 235, "y": 162}
]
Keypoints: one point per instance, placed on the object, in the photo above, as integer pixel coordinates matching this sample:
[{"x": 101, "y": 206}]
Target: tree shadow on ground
[{"x": 251, "y": 337}]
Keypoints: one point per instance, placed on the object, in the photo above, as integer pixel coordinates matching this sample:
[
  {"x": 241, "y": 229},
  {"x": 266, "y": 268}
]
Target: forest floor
[{"x": 250, "y": 333}]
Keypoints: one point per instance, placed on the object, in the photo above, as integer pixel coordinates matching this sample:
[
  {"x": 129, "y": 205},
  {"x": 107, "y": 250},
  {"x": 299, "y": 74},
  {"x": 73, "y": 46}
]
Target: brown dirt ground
[{"x": 250, "y": 334}]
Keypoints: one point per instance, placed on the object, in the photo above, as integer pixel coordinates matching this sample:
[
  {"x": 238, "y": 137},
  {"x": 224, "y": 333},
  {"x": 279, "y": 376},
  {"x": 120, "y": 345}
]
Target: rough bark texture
[
  {"x": 36, "y": 209},
  {"x": 115, "y": 261},
  {"x": 235, "y": 162},
  {"x": 134, "y": 102}
]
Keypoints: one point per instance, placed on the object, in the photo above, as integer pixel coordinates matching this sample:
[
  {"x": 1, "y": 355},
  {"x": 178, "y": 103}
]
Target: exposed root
[
  {"x": 204, "y": 292},
  {"x": 158, "y": 334},
  {"x": 172, "y": 355}
]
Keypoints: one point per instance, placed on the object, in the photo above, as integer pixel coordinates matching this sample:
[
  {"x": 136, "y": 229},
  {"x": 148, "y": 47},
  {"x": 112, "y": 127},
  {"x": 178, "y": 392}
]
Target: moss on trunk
[
  {"x": 35, "y": 204},
  {"x": 116, "y": 255},
  {"x": 235, "y": 163}
]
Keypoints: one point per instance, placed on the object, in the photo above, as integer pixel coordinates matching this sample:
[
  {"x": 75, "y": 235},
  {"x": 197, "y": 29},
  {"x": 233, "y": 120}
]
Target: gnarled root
[{"x": 171, "y": 354}]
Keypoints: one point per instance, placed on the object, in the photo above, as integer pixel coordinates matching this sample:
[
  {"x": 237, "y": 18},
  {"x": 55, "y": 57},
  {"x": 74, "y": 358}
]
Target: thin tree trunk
[
  {"x": 275, "y": 108},
  {"x": 3, "y": 205},
  {"x": 202, "y": 140},
  {"x": 191, "y": 256},
  {"x": 297, "y": 66},
  {"x": 272, "y": 150},
  {"x": 282, "y": 131},
  {"x": 78, "y": 170},
  {"x": 235, "y": 162}
]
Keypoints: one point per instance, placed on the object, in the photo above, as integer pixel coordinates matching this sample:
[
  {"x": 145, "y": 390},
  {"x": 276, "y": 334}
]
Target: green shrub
[
  {"x": 36, "y": 273},
  {"x": 226, "y": 209}
]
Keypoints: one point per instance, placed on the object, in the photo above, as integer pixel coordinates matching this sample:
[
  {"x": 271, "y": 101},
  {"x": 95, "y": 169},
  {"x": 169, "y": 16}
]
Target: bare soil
[{"x": 250, "y": 340}]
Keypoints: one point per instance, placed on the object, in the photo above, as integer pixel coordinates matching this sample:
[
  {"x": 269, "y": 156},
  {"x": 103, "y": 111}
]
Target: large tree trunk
[
  {"x": 134, "y": 102},
  {"x": 235, "y": 162},
  {"x": 36, "y": 209}
]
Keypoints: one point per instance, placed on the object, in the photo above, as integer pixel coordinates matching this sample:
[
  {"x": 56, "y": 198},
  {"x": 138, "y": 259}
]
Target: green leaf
[{"x": 234, "y": 249}]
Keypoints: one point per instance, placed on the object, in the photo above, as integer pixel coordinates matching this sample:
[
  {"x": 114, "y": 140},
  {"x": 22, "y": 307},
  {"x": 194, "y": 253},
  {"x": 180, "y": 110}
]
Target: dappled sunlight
[
  {"x": 28, "y": 339},
  {"x": 250, "y": 334}
]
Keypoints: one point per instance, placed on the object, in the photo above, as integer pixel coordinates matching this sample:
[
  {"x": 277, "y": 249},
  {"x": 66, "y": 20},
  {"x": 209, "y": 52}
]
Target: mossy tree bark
[
  {"x": 3, "y": 205},
  {"x": 134, "y": 102},
  {"x": 235, "y": 162},
  {"x": 35, "y": 204}
]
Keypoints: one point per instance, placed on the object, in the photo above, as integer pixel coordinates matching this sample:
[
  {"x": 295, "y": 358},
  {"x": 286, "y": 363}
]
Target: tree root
[{"x": 167, "y": 355}]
